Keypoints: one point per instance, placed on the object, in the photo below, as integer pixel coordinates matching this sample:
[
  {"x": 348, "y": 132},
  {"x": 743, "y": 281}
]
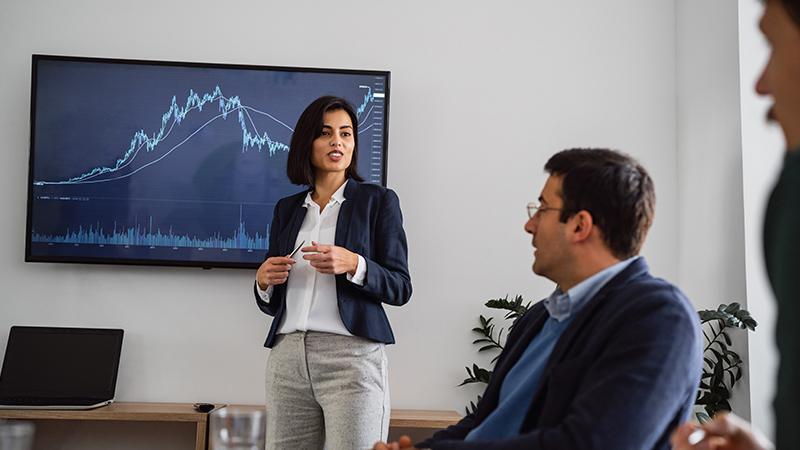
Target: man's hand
[
  {"x": 724, "y": 432},
  {"x": 330, "y": 259},
  {"x": 403, "y": 444},
  {"x": 274, "y": 271}
]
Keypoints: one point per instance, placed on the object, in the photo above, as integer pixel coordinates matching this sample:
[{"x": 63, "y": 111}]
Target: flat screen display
[{"x": 171, "y": 163}]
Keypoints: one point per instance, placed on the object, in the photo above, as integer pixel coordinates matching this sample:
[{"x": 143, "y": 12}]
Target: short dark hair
[
  {"x": 793, "y": 8},
  {"x": 614, "y": 188},
  {"x": 308, "y": 128}
]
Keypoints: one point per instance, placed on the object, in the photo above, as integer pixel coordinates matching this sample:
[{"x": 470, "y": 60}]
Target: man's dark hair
[
  {"x": 793, "y": 8},
  {"x": 308, "y": 128},
  {"x": 611, "y": 186}
]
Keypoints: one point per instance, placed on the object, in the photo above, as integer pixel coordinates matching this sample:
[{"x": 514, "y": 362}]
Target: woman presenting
[{"x": 326, "y": 377}]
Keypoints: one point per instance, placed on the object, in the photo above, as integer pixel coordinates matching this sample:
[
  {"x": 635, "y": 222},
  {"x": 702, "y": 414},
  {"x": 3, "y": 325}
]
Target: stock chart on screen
[{"x": 166, "y": 163}]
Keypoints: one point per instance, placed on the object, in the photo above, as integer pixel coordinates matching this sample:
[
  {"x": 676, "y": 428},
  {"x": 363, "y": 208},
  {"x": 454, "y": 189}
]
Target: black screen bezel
[{"x": 202, "y": 65}]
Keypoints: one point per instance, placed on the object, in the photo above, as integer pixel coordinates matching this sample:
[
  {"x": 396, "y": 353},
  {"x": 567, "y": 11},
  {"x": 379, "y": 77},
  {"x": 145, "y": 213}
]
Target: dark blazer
[
  {"x": 781, "y": 253},
  {"x": 370, "y": 224},
  {"x": 622, "y": 376}
]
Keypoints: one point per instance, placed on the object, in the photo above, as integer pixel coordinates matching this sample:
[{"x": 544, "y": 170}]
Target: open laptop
[{"x": 60, "y": 368}]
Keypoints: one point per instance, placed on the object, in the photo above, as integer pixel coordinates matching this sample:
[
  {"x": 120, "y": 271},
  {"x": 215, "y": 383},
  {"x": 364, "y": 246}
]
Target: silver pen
[
  {"x": 295, "y": 250},
  {"x": 696, "y": 436}
]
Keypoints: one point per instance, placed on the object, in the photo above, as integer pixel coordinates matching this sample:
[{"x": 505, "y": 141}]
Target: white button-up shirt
[{"x": 311, "y": 301}]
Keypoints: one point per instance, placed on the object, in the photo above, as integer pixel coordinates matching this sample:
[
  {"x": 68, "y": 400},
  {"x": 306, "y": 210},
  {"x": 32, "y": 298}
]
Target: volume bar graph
[{"x": 146, "y": 235}]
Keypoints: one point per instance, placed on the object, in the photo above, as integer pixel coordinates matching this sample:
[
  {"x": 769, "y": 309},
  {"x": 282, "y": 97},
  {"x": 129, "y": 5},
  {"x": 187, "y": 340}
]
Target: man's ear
[{"x": 581, "y": 225}]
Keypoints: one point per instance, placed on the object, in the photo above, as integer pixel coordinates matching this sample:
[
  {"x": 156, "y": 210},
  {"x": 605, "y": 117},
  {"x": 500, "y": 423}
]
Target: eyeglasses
[{"x": 537, "y": 208}]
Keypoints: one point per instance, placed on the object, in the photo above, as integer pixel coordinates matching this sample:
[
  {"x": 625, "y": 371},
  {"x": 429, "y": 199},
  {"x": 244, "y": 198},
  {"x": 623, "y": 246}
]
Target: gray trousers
[{"x": 326, "y": 391}]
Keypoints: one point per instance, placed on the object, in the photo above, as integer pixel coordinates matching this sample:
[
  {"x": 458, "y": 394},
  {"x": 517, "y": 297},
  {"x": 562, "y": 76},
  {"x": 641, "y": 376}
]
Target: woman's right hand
[{"x": 274, "y": 271}]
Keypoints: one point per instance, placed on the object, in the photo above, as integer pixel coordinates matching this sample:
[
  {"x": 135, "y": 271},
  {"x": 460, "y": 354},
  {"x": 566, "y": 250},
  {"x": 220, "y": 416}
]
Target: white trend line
[
  {"x": 270, "y": 116},
  {"x": 165, "y": 136},
  {"x": 366, "y": 115},
  {"x": 161, "y": 157}
]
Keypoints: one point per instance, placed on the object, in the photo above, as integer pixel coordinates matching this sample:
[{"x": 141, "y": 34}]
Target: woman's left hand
[{"x": 330, "y": 259}]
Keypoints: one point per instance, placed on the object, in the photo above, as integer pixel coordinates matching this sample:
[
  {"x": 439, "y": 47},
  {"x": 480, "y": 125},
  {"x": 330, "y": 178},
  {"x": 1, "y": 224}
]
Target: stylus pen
[{"x": 295, "y": 250}]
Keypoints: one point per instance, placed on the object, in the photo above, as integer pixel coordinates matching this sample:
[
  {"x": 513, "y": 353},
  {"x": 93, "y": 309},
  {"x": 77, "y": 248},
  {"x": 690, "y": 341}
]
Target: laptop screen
[{"x": 61, "y": 362}]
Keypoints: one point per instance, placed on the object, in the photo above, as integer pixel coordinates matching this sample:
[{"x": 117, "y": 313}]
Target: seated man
[{"x": 611, "y": 360}]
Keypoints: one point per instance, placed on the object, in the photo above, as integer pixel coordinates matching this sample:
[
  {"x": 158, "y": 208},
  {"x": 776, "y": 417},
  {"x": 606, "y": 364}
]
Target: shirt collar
[
  {"x": 337, "y": 197},
  {"x": 562, "y": 306}
]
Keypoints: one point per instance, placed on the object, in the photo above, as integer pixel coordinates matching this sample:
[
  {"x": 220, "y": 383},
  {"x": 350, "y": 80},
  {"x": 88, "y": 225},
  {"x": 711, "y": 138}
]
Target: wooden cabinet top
[
  {"x": 184, "y": 412},
  {"x": 124, "y": 411}
]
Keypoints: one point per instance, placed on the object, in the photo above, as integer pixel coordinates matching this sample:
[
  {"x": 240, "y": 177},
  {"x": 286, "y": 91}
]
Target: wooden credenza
[
  {"x": 184, "y": 412},
  {"x": 124, "y": 412}
]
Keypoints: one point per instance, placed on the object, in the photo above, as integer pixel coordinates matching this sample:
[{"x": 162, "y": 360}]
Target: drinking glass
[{"x": 238, "y": 428}]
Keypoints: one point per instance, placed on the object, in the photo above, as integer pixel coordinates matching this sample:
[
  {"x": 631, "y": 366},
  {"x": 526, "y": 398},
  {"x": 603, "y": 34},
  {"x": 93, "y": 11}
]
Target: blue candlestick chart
[{"x": 164, "y": 163}]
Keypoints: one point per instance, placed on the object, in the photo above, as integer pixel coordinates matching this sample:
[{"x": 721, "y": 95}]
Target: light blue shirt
[{"x": 522, "y": 381}]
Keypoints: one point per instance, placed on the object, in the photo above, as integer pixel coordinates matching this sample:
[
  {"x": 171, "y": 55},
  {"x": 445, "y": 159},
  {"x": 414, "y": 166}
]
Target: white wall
[
  {"x": 728, "y": 162},
  {"x": 711, "y": 266},
  {"x": 762, "y": 151},
  {"x": 482, "y": 94}
]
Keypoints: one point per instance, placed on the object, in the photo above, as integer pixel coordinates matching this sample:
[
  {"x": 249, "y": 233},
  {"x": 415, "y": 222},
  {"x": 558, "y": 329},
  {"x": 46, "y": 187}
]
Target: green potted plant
[
  {"x": 721, "y": 364},
  {"x": 722, "y": 367}
]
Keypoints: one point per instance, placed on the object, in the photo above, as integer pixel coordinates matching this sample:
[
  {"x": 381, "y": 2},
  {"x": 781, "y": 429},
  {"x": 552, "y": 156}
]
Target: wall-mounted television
[{"x": 174, "y": 163}]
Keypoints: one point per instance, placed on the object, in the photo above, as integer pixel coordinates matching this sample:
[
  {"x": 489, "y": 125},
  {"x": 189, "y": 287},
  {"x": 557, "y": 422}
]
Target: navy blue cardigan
[
  {"x": 370, "y": 224},
  {"x": 622, "y": 376}
]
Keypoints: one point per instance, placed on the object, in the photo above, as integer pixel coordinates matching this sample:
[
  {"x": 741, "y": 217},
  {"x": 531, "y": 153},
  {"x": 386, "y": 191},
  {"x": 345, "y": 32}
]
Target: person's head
[
  {"x": 595, "y": 209},
  {"x": 325, "y": 140},
  {"x": 781, "y": 76}
]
